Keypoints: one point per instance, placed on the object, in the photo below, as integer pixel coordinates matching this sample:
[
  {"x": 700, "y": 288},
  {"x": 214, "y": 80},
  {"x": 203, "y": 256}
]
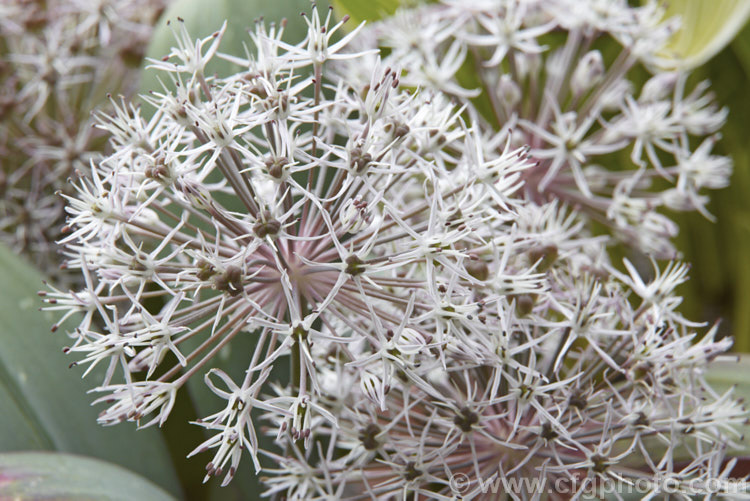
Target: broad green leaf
[
  {"x": 44, "y": 404},
  {"x": 735, "y": 372},
  {"x": 725, "y": 372},
  {"x": 46, "y": 475},
  {"x": 706, "y": 28},
  {"x": 204, "y": 17},
  {"x": 18, "y": 429}
]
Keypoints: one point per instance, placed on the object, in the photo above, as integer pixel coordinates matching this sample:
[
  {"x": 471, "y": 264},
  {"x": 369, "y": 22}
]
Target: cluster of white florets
[
  {"x": 426, "y": 264},
  {"x": 558, "y": 74},
  {"x": 58, "y": 61}
]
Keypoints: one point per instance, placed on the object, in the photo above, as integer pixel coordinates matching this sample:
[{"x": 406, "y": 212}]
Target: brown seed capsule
[
  {"x": 545, "y": 256},
  {"x": 411, "y": 472},
  {"x": 524, "y": 304},
  {"x": 205, "y": 270},
  {"x": 548, "y": 433},
  {"x": 577, "y": 400},
  {"x": 477, "y": 268},
  {"x": 368, "y": 436},
  {"x": 276, "y": 166},
  {"x": 600, "y": 463},
  {"x": 465, "y": 419},
  {"x": 266, "y": 225},
  {"x": 354, "y": 265},
  {"x": 359, "y": 160},
  {"x": 230, "y": 281}
]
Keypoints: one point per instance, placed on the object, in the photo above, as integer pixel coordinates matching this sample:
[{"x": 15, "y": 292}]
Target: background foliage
[{"x": 720, "y": 251}]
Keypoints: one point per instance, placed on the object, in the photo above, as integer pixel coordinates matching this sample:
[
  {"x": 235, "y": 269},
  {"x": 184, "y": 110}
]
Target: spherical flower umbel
[
  {"x": 558, "y": 73},
  {"x": 443, "y": 312}
]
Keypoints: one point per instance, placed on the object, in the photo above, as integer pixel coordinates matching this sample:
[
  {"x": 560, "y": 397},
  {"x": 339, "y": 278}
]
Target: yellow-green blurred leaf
[
  {"x": 370, "y": 10},
  {"x": 707, "y": 26}
]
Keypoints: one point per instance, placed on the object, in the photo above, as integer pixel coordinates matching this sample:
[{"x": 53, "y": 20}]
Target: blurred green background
[{"x": 720, "y": 252}]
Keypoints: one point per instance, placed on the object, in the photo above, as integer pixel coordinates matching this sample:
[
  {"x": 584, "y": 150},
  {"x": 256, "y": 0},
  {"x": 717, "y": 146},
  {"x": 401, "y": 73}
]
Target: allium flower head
[
  {"x": 558, "y": 73},
  {"x": 445, "y": 308}
]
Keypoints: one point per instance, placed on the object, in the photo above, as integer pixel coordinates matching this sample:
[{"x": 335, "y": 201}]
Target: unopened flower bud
[
  {"x": 508, "y": 91},
  {"x": 355, "y": 216},
  {"x": 589, "y": 73},
  {"x": 658, "y": 87}
]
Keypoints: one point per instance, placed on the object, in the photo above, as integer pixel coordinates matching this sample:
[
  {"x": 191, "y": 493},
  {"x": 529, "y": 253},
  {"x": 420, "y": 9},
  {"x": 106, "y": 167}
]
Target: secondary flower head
[
  {"x": 563, "y": 75},
  {"x": 58, "y": 60},
  {"x": 439, "y": 317}
]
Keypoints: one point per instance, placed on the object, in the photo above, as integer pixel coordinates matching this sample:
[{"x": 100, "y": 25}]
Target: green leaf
[
  {"x": 204, "y": 17},
  {"x": 724, "y": 374},
  {"x": 44, "y": 475},
  {"x": 720, "y": 276},
  {"x": 43, "y": 403},
  {"x": 18, "y": 432},
  {"x": 371, "y": 10},
  {"x": 705, "y": 29}
]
